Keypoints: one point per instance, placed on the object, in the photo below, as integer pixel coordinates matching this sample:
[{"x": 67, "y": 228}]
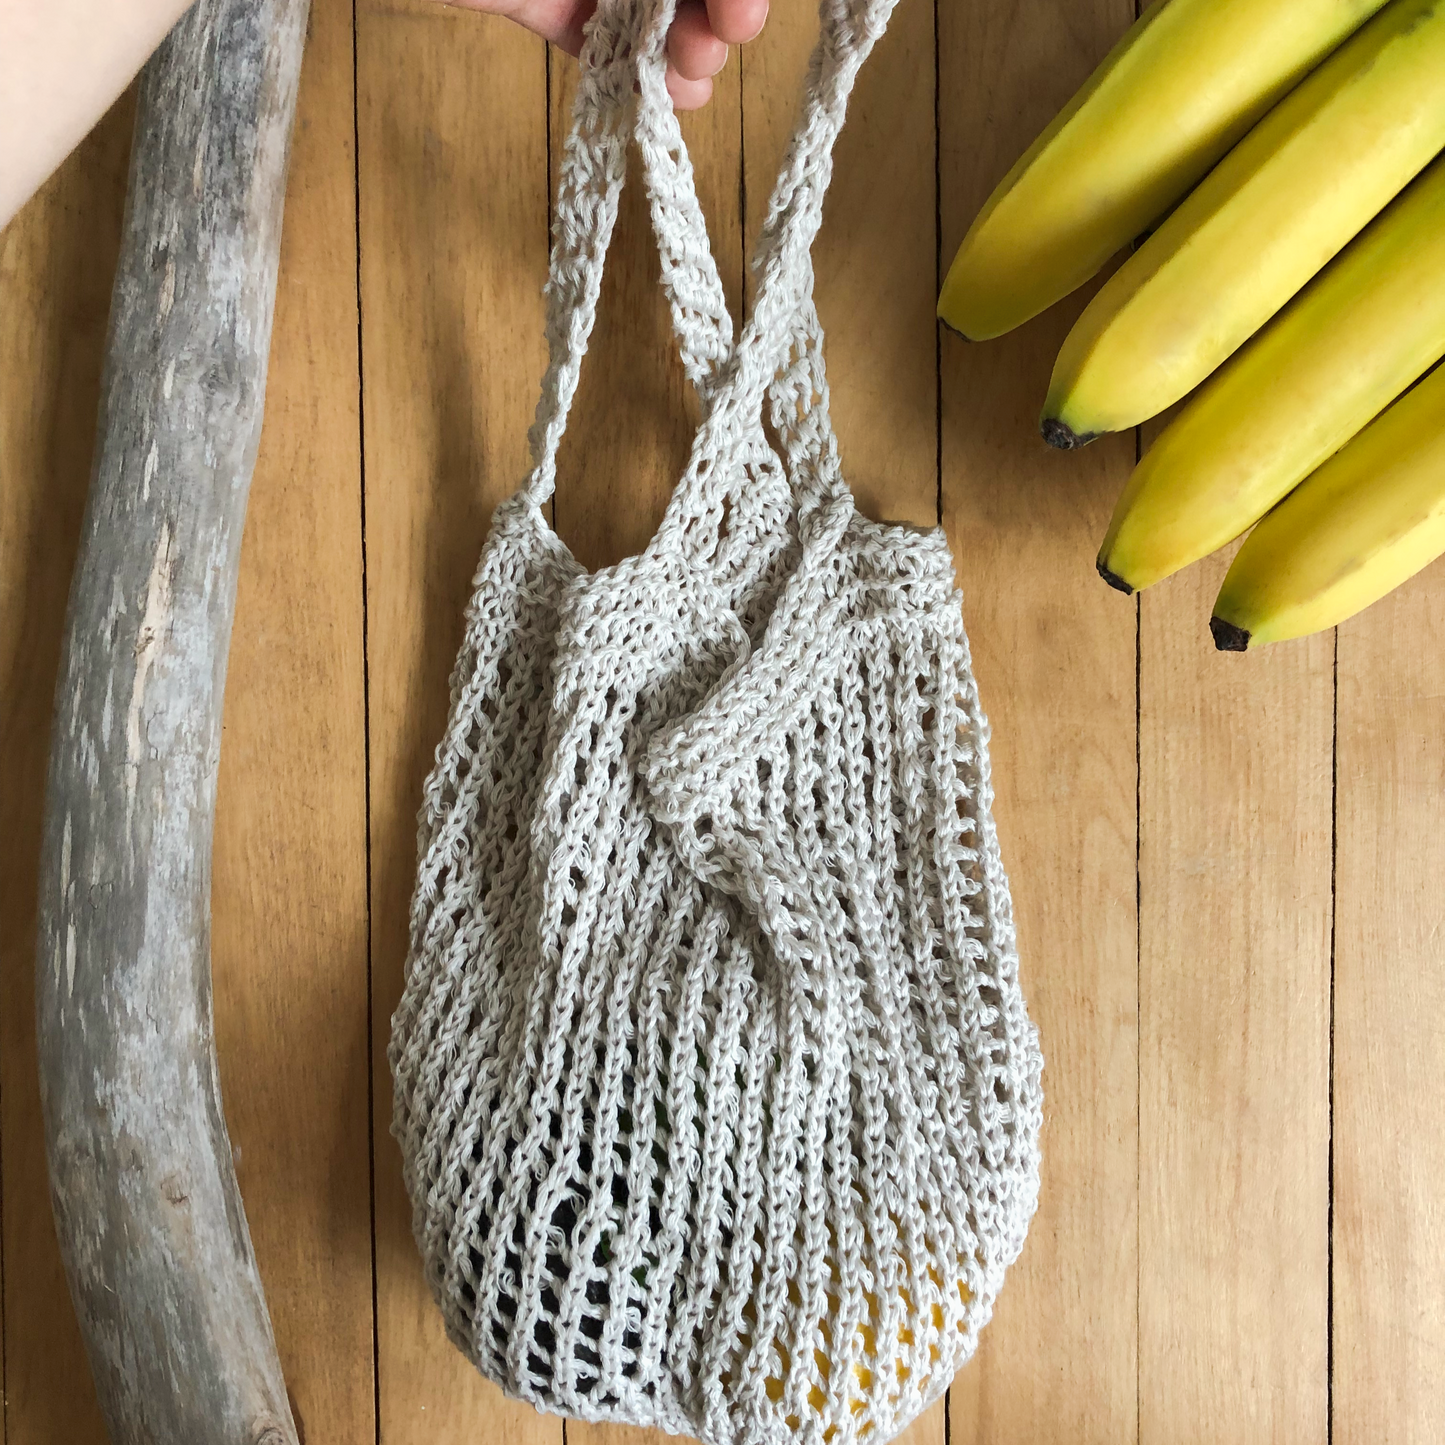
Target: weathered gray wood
[{"x": 146, "y": 1204}]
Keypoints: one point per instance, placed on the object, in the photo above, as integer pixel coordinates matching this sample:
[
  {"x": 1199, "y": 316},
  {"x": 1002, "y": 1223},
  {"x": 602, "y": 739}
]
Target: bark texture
[{"x": 146, "y": 1203}]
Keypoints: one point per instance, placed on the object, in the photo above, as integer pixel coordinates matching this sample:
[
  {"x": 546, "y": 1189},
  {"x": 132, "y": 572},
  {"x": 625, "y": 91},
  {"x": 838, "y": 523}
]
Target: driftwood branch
[{"x": 146, "y": 1203}]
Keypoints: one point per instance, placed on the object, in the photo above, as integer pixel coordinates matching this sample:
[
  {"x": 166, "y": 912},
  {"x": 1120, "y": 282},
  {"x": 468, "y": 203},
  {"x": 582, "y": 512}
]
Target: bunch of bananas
[{"x": 1296, "y": 289}]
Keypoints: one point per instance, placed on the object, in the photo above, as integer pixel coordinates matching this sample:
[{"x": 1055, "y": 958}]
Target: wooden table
[{"x": 1229, "y": 871}]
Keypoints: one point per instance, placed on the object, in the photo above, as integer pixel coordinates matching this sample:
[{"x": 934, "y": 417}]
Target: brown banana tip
[
  {"x": 1228, "y": 637},
  {"x": 1061, "y": 435},
  {"x": 1113, "y": 579},
  {"x": 949, "y": 326}
]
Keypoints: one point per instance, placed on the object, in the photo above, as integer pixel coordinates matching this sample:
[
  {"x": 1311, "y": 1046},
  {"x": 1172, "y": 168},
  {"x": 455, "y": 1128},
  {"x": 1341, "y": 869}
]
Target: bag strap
[
  {"x": 779, "y": 355},
  {"x": 625, "y": 44},
  {"x": 624, "y": 47},
  {"x": 700, "y": 316}
]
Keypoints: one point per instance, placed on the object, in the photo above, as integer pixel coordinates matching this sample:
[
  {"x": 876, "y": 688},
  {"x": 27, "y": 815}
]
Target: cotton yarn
[{"x": 717, "y": 1098}]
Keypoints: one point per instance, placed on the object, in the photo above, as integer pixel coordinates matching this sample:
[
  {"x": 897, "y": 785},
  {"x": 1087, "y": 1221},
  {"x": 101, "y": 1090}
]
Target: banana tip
[
  {"x": 1061, "y": 435},
  {"x": 949, "y": 326},
  {"x": 1228, "y": 637},
  {"x": 1113, "y": 578}
]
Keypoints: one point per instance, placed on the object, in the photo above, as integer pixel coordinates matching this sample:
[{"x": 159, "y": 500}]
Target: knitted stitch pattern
[{"x": 717, "y": 1098}]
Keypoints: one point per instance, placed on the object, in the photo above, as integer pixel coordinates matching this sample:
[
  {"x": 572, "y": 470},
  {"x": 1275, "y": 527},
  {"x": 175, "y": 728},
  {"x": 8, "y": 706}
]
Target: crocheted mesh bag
[{"x": 717, "y": 1098}]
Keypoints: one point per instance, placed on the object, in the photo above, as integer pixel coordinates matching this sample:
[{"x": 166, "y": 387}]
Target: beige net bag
[{"x": 716, "y": 1094}]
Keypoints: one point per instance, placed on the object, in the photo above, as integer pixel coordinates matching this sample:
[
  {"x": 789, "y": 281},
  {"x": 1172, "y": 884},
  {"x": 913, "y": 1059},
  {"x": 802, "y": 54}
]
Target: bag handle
[
  {"x": 700, "y": 316},
  {"x": 625, "y": 42},
  {"x": 624, "y": 46},
  {"x": 782, "y": 330}
]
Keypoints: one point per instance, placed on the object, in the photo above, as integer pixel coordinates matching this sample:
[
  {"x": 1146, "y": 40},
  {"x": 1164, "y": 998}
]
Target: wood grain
[
  {"x": 1235, "y": 781},
  {"x": 289, "y": 889},
  {"x": 1237, "y": 905},
  {"x": 57, "y": 259},
  {"x": 1389, "y": 1152},
  {"x": 452, "y": 152},
  {"x": 1054, "y": 652}
]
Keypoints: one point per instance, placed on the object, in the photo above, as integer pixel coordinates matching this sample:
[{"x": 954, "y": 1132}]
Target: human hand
[{"x": 697, "y": 44}]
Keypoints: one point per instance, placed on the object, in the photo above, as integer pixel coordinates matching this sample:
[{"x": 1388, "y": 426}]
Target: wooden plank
[
  {"x": 1055, "y": 656},
  {"x": 634, "y": 415},
  {"x": 289, "y": 885},
  {"x": 57, "y": 259},
  {"x": 873, "y": 274},
  {"x": 1233, "y": 1302},
  {"x": 453, "y": 191},
  {"x": 1235, "y": 863},
  {"x": 1389, "y": 1153}
]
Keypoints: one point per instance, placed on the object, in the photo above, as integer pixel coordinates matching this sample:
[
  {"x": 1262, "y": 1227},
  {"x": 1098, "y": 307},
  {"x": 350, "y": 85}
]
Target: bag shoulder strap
[{"x": 625, "y": 49}]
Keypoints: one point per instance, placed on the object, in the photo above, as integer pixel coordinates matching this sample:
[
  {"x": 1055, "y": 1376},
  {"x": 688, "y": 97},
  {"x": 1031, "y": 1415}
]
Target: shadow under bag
[{"x": 716, "y": 1094}]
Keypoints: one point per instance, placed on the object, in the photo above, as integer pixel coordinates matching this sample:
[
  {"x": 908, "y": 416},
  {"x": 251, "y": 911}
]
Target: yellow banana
[
  {"x": 1345, "y": 347},
  {"x": 1372, "y": 516},
  {"x": 1329, "y": 157},
  {"x": 1186, "y": 81},
  {"x": 874, "y": 1377}
]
